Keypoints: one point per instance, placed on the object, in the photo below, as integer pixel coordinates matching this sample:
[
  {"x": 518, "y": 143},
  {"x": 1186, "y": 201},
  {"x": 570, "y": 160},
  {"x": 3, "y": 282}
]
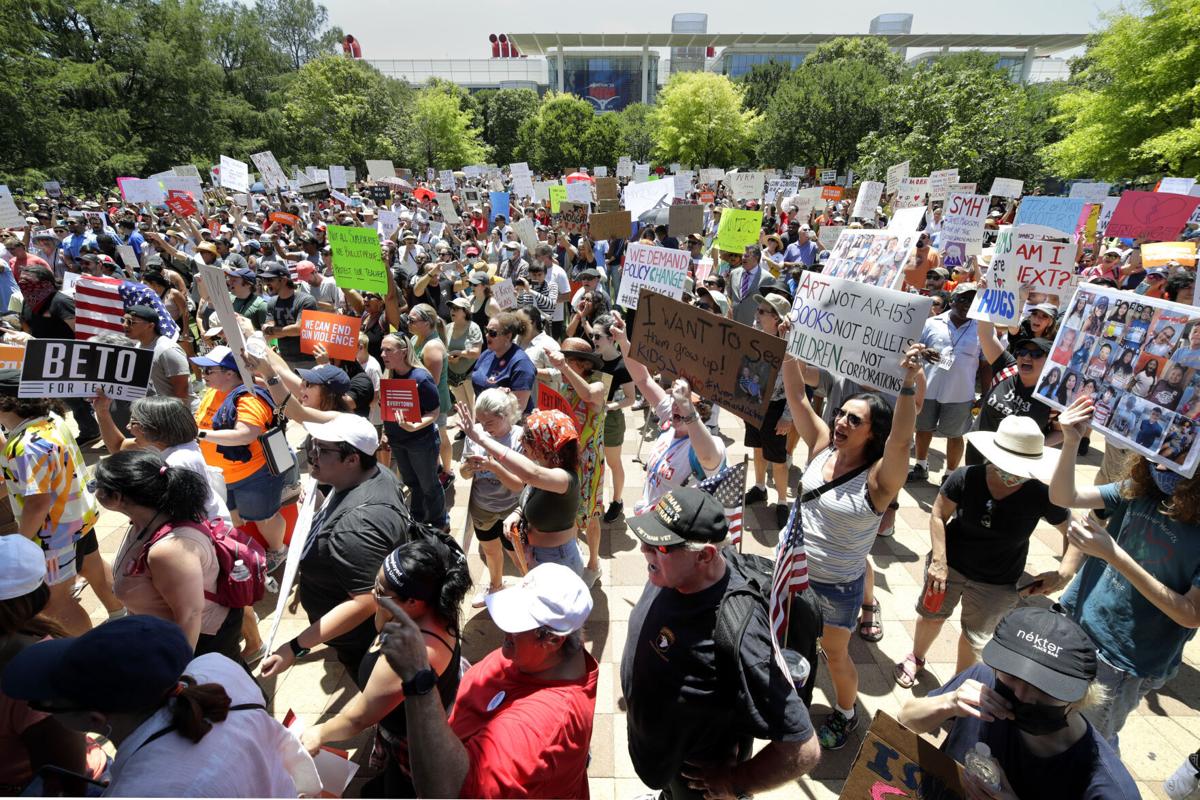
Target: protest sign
[
  {"x": 322, "y": 175},
  {"x": 731, "y": 364},
  {"x": 137, "y": 191},
  {"x": 832, "y": 193},
  {"x": 856, "y": 330},
  {"x": 607, "y": 189},
  {"x": 380, "y": 195},
  {"x": 1153, "y": 216},
  {"x": 895, "y": 174},
  {"x": 708, "y": 197},
  {"x": 624, "y": 167},
  {"x": 712, "y": 175},
  {"x": 828, "y": 176},
  {"x": 642, "y": 197},
  {"x": 600, "y": 172},
  {"x": 12, "y": 356},
  {"x": 869, "y": 195},
  {"x": 1006, "y": 187},
  {"x": 738, "y": 230},
  {"x": 1107, "y": 207},
  {"x": 906, "y": 219},
  {"x": 558, "y": 193},
  {"x": 579, "y": 192},
  {"x": 1090, "y": 192},
  {"x": 498, "y": 201},
  {"x": 963, "y": 216},
  {"x": 541, "y": 190},
  {"x": 573, "y": 217},
  {"x": 745, "y": 185},
  {"x": 611, "y": 225},
  {"x": 784, "y": 186},
  {"x": 190, "y": 171},
  {"x": 519, "y": 168},
  {"x": 181, "y": 203},
  {"x": 523, "y": 187},
  {"x": 505, "y": 294},
  {"x": 10, "y": 216},
  {"x": 1139, "y": 359},
  {"x": 550, "y": 400},
  {"x": 1058, "y": 213},
  {"x": 314, "y": 189},
  {"x": 337, "y": 332},
  {"x": 357, "y": 261},
  {"x": 380, "y": 169},
  {"x": 641, "y": 173},
  {"x": 296, "y": 548},
  {"x": 659, "y": 269},
  {"x": 235, "y": 174},
  {"x": 445, "y": 202},
  {"x": 827, "y": 235},
  {"x": 870, "y": 256},
  {"x": 399, "y": 395},
  {"x": 682, "y": 184},
  {"x": 53, "y": 189},
  {"x": 911, "y": 192},
  {"x": 337, "y": 177},
  {"x": 685, "y": 219},
  {"x": 1176, "y": 185},
  {"x": 1157, "y": 254},
  {"x": 999, "y": 303},
  {"x": 960, "y": 188},
  {"x": 79, "y": 368},
  {"x": 527, "y": 232},
  {"x": 227, "y": 318},
  {"x": 895, "y": 762},
  {"x": 446, "y": 179},
  {"x": 284, "y": 218},
  {"x": 1041, "y": 259},
  {"x": 939, "y": 183},
  {"x": 129, "y": 258},
  {"x": 388, "y": 223}
]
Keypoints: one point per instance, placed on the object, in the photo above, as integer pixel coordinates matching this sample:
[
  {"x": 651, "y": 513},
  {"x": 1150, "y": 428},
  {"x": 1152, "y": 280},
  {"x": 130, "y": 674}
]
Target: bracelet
[{"x": 908, "y": 391}]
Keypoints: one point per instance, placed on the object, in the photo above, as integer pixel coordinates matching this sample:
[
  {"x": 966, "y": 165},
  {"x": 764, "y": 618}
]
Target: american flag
[
  {"x": 100, "y": 304},
  {"x": 729, "y": 487},
  {"x": 791, "y": 571}
]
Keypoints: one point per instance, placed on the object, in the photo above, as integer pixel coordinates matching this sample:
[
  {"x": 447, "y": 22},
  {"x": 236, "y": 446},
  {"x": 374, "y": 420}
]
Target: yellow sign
[
  {"x": 1157, "y": 254},
  {"x": 738, "y": 230}
]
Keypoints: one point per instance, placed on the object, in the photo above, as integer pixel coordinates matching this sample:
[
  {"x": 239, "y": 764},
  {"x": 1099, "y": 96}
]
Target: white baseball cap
[
  {"x": 356, "y": 431},
  {"x": 549, "y": 595},
  {"x": 22, "y": 566}
]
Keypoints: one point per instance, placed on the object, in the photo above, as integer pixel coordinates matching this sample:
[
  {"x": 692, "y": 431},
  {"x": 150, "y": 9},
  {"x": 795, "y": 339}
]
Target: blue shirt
[
  {"x": 1130, "y": 632},
  {"x": 428, "y": 400},
  {"x": 803, "y": 253},
  {"x": 136, "y": 241},
  {"x": 513, "y": 370},
  {"x": 8, "y": 285},
  {"x": 1088, "y": 769},
  {"x": 75, "y": 241}
]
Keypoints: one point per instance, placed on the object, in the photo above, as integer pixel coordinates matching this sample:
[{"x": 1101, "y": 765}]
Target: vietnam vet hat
[
  {"x": 1046, "y": 650},
  {"x": 682, "y": 515}
]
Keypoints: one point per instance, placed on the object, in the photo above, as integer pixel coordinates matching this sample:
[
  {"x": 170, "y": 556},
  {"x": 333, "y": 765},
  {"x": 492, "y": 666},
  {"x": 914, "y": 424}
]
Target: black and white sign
[{"x": 76, "y": 368}]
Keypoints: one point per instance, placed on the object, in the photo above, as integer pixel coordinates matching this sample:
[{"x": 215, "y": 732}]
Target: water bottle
[
  {"x": 1185, "y": 783},
  {"x": 240, "y": 571},
  {"x": 979, "y": 762},
  {"x": 256, "y": 345}
]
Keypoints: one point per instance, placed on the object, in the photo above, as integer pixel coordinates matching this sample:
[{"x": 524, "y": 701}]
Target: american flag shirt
[{"x": 101, "y": 302}]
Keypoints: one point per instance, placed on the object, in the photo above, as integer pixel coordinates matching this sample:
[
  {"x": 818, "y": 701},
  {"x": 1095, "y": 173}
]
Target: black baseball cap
[
  {"x": 274, "y": 270},
  {"x": 10, "y": 382},
  {"x": 1037, "y": 341},
  {"x": 1049, "y": 651},
  {"x": 682, "y": 515},
  {"x": 142, "y": 312}
]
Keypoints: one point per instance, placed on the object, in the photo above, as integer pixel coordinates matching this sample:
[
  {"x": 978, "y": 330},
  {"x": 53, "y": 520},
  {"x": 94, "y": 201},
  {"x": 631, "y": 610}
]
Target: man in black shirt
[
  {"x": 283, "y": 314},
  {"x": 1014, "y": 376},
  {"x": 692, "y": 720}
]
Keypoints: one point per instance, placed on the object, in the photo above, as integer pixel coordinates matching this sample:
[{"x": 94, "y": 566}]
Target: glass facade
[
  {"x": 735, "y": 65},
  {"x": 609, "y": 83}
]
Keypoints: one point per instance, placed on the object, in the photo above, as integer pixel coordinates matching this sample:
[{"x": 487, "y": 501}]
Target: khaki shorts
[{"x": 983, "y": 604}]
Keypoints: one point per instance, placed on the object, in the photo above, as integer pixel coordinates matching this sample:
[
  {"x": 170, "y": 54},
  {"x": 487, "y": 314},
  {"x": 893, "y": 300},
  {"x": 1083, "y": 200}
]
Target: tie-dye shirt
[{"x": 41, "y": 457}]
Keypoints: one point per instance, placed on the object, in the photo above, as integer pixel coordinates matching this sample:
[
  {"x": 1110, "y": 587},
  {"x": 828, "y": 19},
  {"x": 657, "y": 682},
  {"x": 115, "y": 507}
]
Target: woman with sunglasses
[
  {"x": 429, "y": 581},
  {"x": 415, "y": 445},
  {"x": 504, "y": 364},
  {"x": 429, "y": 351},
  {"x": 380, "y": 315},
  {"x": 867, "y": 448}
]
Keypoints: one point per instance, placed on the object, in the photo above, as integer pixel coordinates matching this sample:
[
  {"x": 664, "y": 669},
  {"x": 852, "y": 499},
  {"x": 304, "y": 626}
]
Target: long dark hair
[
  {"x": 881, "y": 424},
  {"x": 433, "y": 572},
  {"x": 23, "y": 615},
  {"x": 143, "y": 478}
]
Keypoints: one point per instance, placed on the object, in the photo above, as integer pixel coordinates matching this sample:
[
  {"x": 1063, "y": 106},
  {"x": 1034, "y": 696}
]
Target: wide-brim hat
[{"x": 1018, "y": 447}]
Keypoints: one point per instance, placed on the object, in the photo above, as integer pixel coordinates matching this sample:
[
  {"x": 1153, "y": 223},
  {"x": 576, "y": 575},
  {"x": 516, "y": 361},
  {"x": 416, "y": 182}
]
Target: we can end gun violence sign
[
  {"x": 731, "y": 364},
  {"x": 76, "y": 368}
]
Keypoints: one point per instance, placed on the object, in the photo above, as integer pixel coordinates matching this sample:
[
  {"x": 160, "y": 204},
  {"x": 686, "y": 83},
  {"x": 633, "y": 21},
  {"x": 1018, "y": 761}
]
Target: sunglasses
[
  {"x": 853, "y": 420},
  {"x": 491, "y": 334},
  {"x": 704, "y": 307},
  {"x": 1030, "y": 352},
  {"x": 666, "y": 549}
]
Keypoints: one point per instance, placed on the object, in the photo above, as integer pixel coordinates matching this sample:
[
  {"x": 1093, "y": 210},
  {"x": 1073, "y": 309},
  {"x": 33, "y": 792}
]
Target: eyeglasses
[
  {"x": 490, "y": 333},
  {"x": 314, "y": 448},
  {"x": 853, "y": 420},
  {"x": 667, "y": 549}
]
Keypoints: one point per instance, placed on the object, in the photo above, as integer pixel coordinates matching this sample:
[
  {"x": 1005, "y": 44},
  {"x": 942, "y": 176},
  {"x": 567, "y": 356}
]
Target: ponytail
[
  {"x": 144, "y": 479},
  {"x": 197, "y": 706}
]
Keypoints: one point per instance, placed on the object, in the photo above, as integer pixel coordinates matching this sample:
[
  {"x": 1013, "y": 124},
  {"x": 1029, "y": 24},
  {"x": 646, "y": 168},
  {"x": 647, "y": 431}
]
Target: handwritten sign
[
  {"x": 643, "y": 197},
  {"x": 939, "y": 183},
  {"x": 731, "y": 364},
  {"x": 854, "y": 329},
  {"x": 895, "y": 174},
  {"x": 738, "y": 230},
  {"x": 579, "y": 192},
  {"x": 828, "y": 235},
  {"x": 659, "y": 269},
  {"x": 1042, "y": 260},
  {"x": 894, "y": 762},
  {"x": 1006, "y": 187},
  {"x": 573, "y": 217},
  {"x": 1059, "y": 213},
  {"x": 337, "y": 332},
  {"x": 745, "y": 185},
  {"x": 235, "y": 174},
  {"x": 399, "y": 395},
  {"x": 871, "y": 256},
  {"x": 911, "y": 192},
  {"x": 963, "y": 218},
  {"x": 1090, "y": 192},
  {"x": 357, "y": 260},
  {"x": 558, "y": 193},
  {"x": 505, "y": 294},
  {"x": 999, "y": 302},
  {"x": 378, "y": 169},
  {"x": 869, "y": 195},
  {"x": 1154, "y": 216},
  {"x": 78, "y": 368}
]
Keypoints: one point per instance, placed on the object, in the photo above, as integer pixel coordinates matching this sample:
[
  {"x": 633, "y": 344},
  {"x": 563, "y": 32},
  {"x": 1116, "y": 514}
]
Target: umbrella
[
  {"x": 421, "y": 193},
  {"x": 660, "y": 215},
  {"x": 575, "y": 177},
  {"x": 397, "y": 182}
]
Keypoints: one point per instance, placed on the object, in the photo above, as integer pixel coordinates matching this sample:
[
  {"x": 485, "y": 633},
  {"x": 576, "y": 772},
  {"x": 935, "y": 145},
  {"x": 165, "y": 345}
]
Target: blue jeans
[
  {"x": 418, "y": 470},
  {"x": 257, "y": 497},
  {"x": 566, "y": 554},
  {"x": 1126, "y": 691},
  {"x": 841, "y": 603}
]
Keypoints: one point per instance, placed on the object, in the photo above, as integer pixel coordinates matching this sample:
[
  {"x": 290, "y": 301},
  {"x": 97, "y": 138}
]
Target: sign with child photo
[{"x": 1138, "y": 358}]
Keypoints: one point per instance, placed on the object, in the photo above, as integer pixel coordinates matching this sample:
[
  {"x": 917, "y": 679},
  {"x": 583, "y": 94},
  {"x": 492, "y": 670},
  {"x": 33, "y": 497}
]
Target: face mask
[
  {"x": 1036, "y": 719},
  {"x": 1008, "y": 479},
  {"x": 1166, "y": 480}
]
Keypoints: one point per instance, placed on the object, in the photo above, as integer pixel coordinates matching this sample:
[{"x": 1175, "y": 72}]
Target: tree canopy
[{"x": 699, "y": 119}]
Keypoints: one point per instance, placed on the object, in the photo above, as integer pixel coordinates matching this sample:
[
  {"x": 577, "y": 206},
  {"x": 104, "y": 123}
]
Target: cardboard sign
[
  {"x": 1006, "y": 187},
  {"x": 1157, "y": 254},
  {"x": 235, "y": 174},
  {"x": 685, "y": 219},
  {"x": 1154, "y": 216},
  {"x": 607, "y": 189},
  {"x": 854, "y": 329},
  {"x": 611, "y": 225},
  {"x": 558, "y": 193},
  {"x": 731, "y": 364},
  {"x": 505, "y": 294},
  {"x": 658, "y": 269},
  {"x": 181, "y": 203},
  {"x": 939, "y": 183},
  {"x": 963, "y": 217},
  {"x": 337, "y": 332},
  {"x": 283, "y": 218},
  {"x": 379, "y": 169},
  {"x": 894, "y": 762},
  {"x": 399, "y": 395},
  {"x": 550, "y": 400},
  {"x": 870, "y": 256},
  {"x": 999, "y": 303},
  {"x": 1138, "y": 358},
  {"x": 573, "y": 217},
  {"x": 895, "y": 174},
  {"x": 78, "y": 368},
  {"x": 1059, "y": 213},
  {"x": 357, "y": 260},
  {"x": 869, "y": 195},
  {"x": 738, "y": 230},
  {"x": 12, "y": 356},
  {"x": 745, "y": 185}
]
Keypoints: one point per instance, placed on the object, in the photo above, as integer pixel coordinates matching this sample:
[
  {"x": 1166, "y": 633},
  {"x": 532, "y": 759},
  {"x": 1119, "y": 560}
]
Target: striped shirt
[{"x": 839, "y": 526}]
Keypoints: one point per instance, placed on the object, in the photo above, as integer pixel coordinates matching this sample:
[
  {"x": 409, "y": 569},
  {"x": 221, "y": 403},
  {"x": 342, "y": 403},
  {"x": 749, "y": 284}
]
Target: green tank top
[{"x": 444, "y": 400}]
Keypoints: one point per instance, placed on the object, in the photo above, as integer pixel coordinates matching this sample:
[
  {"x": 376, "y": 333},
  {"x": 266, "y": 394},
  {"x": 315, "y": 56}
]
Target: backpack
[
  {"x": 805, "y": 620},
  {"x": 230, "y": 545}
]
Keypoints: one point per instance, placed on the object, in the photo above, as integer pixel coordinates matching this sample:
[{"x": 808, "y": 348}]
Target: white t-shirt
[
  {"x": 559, "y": 276},
  {"x": 188, "y": 456},
  {"x": 669, "y": 463},
  {"x": 376, "y": 375}
]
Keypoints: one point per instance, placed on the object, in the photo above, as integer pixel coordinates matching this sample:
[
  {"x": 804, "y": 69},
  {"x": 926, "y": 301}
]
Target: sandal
[
  {"x": 908, "y": 670},
  {"x": 875, "y": 623}
]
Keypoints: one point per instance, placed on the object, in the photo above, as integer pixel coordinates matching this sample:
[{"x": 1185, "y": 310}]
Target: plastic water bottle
[
  {"x": 256, "y": 345},
  {"x": 979, "y": 762},
  {"x": 1185, "y": 783},
  {"x": 240, "y": 571}
]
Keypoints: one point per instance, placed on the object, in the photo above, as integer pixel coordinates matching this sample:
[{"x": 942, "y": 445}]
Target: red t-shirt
[{"x": 533, "y": 741}]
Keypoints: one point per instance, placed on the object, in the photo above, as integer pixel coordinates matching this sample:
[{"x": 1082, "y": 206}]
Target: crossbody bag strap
[
  {"x": 164, "y": 731},
  {"x": 813, "y": 494}
]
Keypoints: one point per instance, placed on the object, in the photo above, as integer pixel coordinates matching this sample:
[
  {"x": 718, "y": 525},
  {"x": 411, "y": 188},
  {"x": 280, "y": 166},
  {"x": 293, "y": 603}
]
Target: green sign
[
  {"x": 738, "y": 230},
  {"x": 357, "y": 260},
  {"x": 558, "y": 193}
]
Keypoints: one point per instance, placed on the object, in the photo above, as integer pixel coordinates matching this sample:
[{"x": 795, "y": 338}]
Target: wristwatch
[
  {"x": 420, "y": 683},
  {"x": 202, "y": 434},
  {"x": 906, "y": 391},
  {"x": 273, "y": 380},
  {"x": 297, "y": 650}
]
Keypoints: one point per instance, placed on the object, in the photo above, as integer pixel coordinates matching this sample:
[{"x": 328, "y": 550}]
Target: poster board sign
[
  {"x": 683, "y": 183},
  {"x": 856, "y": 330},
  {"x": 227, "y": 318},
  {"x": 498, "y": 203},
  {"x": 999, "y": 303},
  {"x": 83, "y": 368},
  {"x": 961, "y": 188},
  {"x": 600, "y": 172},
  {"x": 53, "y": 189},
  {"x": 895, "y": 174},
  {"x": 136, "y": 191},
  {"x": 1043, "y": 259},
  {"x": 1090, "y": 192},
  {"x": 963, "y": 217},
  {"x": 624, "y": 167},
  {"x": 685, "y": 219},
  {"x": 784, "y": 186},
  {"x": 827, "y": 235},
  {"x": 579, "y": 192},
  {"x": 337, "y": 177},
  {"x": 129, "y": 258},
  {"x": 1153, "y": 216},
  {"x": 1107, "y": 207},
  {"x": 10, "y": 215},
  {"x": 12, "y": 356},
  {"x": 641, "y": 172},
  {"x": 378, "y": 169},
  {"x": 1157, "y": 254},
  {"x": 235, "y": 174},
  {"x": 1156, "y": 416},
  {"x": 871, "y": 256},
  {"x": 181, "y": 203},
  {"x": 745, "y": 185},
  {"x": 541, "y": 190},
  {"x": 731, "y": 364},
  {"x": 505, "y": 294},
  {"x": 550, "y": 400},
  {"x": 1176, "y": 185},
  {"x": 338, "y": 333},
  {"x": 939, "y": 183},
  {"x": 658, "y": 269},
  {"x": 611, "y": 225},
  {"x": 446, "y": 179},
  {"x": 527, "y": 232},
  {"x": 869, "y": 195},
  {"x": 523, "y": 187},
  {"x": 558, "y": 193},
  {"x": 828, "y": 176},
  {"x": 911, "y": 192},
  {"x": 357, "y": 260},
  {"x": 573, "y": 217},
  {"x": 738, "y": 230},
  {"x": 894, "y": 762},
  {"x": 399, "y": 395},
  {"x": 445, "y": 202},
  {"x": 1059, "y": 213},
  {"x": 832, "y": 193},
  {"x": 284, "y": 218},
  {"x": 1006, "y": 187},
  {"x": 291, "y": 568},
  {"x": 642, "y": 197},
  {"x": 190, "y": 171}
]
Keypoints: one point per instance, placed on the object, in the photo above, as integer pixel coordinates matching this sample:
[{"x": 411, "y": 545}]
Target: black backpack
[{"x": 805, "y": 620}]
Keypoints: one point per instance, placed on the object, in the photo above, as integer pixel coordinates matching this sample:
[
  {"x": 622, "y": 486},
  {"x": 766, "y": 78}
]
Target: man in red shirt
[
  {"x": 522, "y": 721},
  {"x": 21, "y": 258}
]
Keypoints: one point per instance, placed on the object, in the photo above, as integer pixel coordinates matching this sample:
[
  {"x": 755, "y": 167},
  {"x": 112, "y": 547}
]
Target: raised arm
[
  {"x": 889, "y": 474},
  {"x": 650, "y": 389},
  {"x": 809, "y": 425},
  {"x": 1074, "y": 422},
  {"x": 550, "y": 479},
  {"x": 988, "y": 340}
]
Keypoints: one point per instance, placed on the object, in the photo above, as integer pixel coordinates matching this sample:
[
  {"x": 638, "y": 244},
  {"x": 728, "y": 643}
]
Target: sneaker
[
  {"x": 614, "y": 510},
  {"x": 275, "y": 558},
  {"x": 480, "y": 599},
  {"x": 85, "y": 441},
  {"x": 836, "y": 730},
  {"x": 782, "y": 512},
  {"x": 919, "y": 472},
  {"x": 888, "y": 532},
  {"x": 757, "y": 494}
]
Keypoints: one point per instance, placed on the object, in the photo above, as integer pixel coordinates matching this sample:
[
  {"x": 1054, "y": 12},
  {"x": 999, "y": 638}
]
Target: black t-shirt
[
  {"x": 620, "y": 375},
  {"x": 287, "y": 312},
  {"x": 679, "y": 707},
  {"x": 362, "y": 391},
  {"x": 1008, "y": 396},
  {"x": 994, "y": 552},
  {"x": 52, "y": 322}
]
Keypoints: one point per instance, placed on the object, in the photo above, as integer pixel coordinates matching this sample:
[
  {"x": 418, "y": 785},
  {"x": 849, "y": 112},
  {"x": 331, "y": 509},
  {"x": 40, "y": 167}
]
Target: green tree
[
  {"x": 637, "y": 131},
  {"x": 1134, "y": 107},
  {"x": 553, "y": 141},
  {"x": 602, "y": 141},
  {"x": 868, "y": 49},
  {"x": 441, "y": 135},
  {"x": 504, "y": 112},
  {"x": 300, "y": 26},
  {"x": 760, "y": 84},
  {"x": 699, "y": 120}
]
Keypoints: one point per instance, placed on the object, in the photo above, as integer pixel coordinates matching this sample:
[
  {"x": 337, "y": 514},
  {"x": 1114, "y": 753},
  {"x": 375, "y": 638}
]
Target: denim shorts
[
  {"x": 566, "y": 554},
  {"x": 841, "y": 603},
  {"x": 258, "y": 497}
]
